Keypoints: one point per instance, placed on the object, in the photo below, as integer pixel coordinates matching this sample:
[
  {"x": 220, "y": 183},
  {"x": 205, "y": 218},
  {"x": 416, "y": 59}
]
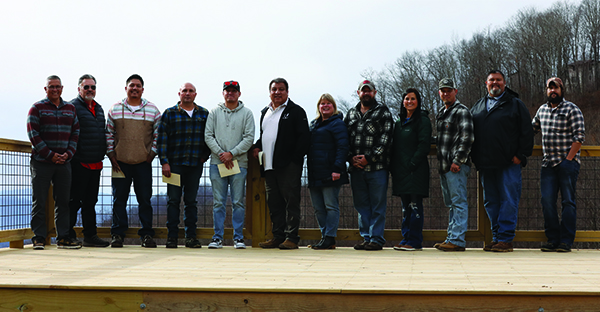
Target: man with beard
[
  {"x": 86, "y": 165},
  {"x": 563, "y": 132},
  {"x": 370, "y": 130},
  {"x": 284, "y": 140},
  {"x": 503, "y": 141}
]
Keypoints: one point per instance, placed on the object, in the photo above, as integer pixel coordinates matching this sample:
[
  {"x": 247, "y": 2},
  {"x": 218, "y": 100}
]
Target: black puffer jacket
[
  {"x": 91, "y": 146},
  {"x": 328, "y": 151},
  {"x": 503, "y": 132}
]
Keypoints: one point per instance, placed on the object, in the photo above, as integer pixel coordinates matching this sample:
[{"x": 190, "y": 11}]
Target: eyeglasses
[
  {"x": 231, "y": 83},
  {"x": 87, "y": 87},
  {"x": 54, "y": 87}
]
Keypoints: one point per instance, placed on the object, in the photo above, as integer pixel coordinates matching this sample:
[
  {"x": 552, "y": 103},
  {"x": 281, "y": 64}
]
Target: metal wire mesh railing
[{"x": 15, "y": 202}]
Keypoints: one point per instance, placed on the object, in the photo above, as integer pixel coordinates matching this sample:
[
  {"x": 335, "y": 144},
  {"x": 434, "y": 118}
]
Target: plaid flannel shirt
[
  {"x": 560, "y": 127},
  {"x": 370, "y": 135},
  {"x": 181, "y": 137},
  {"x": 455, "y": 135}
]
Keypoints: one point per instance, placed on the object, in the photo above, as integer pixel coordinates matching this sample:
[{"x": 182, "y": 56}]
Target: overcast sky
[{"x": 318, "y": 46}]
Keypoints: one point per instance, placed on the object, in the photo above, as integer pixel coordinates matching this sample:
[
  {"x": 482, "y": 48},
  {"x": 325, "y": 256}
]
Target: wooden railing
[{"x": 258, "y": 224}]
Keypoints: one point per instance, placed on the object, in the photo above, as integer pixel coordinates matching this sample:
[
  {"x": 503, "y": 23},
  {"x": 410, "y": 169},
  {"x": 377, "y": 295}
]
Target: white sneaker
[
  {"x": 239, "y": 244},
  {"x": 215, "y": 244}
]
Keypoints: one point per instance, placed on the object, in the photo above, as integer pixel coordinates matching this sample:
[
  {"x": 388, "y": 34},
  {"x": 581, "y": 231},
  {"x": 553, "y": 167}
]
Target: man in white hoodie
[{"x": 229, "y": 135}]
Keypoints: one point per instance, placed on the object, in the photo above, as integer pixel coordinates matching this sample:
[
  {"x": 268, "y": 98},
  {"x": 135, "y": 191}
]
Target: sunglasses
[
  {"x": 231, "y": 83},
  {"x": 89, "y": 87}
]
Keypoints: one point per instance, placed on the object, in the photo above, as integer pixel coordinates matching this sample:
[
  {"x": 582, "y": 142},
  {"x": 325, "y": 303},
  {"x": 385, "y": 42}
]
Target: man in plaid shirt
[
  {"x": 563, "y": 132},
  {"x": 182, "y": 150},
  {"x": 370, "y": 129},
  {"x": 454, "y": 139}
]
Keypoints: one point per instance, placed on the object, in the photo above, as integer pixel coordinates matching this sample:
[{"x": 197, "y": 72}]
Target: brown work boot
[
  {"x": 489, "y": 246},
  {"x": 272, "y": 243},
  {"x": 288, "y": 244},
  {"x": 448, "y": 246},
  {"x": 503, "y": 247}
]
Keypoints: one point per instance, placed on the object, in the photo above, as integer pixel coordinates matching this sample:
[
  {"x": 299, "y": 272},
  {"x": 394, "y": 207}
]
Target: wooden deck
[{"x": 138, "y": 279}]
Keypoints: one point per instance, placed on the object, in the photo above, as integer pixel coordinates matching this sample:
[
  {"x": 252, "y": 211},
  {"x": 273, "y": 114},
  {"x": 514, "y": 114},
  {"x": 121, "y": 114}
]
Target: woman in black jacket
[
  {"x": 327, "y": 167},
  {"x": 410, "y": 168}
]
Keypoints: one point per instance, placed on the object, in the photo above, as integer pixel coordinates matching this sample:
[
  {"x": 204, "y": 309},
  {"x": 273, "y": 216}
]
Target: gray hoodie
[{"x": 230, "y": 131}]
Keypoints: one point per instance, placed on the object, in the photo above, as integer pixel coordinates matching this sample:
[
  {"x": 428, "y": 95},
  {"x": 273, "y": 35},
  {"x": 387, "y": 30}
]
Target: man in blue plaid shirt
[
  {"x": 563, "y": 132},
  {"x": 455, "y": 136},
  {"x": 182, "y": 150}
]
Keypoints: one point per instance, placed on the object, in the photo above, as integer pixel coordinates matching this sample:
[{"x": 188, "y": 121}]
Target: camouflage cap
[
  {"x": 447, "y": 83},
  {"x": 367, "y": 83},
  {"x": 557, "y": 81}
]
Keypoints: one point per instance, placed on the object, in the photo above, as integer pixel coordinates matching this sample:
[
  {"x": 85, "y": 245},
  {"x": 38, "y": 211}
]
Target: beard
[
  {"x": 495, "y": 91},
  {"x": 367, "y": 101},
  {"x": 555, "y": 100}
]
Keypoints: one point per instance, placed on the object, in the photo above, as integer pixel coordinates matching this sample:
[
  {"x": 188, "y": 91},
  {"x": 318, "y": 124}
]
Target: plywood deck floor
[{"x": 343, "y": 270}]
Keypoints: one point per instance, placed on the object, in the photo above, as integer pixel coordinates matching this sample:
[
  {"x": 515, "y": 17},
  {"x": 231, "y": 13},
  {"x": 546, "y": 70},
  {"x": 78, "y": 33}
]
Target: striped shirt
[
  {"x": 52, "y": 129},
  {"x": 370, "y": 134},
  {"x": 560, "y": 127},
  {"x": 181, "y": 137},
  {"x": 122, "y": 113}
]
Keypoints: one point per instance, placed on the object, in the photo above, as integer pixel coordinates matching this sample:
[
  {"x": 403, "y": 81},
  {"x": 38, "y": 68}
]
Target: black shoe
[
  {"x": 94, "y": 241},
  {"x": 148, "y": 242},
  {"x": 171, "y": 242},
  {"x": 373, "y": 246},
  {"x": 38, "y": 243},
  {"x": 549, "y": 247},
  {"x": 562, "y": 247},
  {"x": 361, "y": 246},
  {"x": 67, "y": 243},
  {"x": 117, "y": 241},
  {"x": 315, "y": 246},
  {"x": 192, "y": 243},
  {"x": 327, "y": 243}
]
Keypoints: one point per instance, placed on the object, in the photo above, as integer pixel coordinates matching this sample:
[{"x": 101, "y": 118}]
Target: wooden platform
[{"x": 138, "y": 279}]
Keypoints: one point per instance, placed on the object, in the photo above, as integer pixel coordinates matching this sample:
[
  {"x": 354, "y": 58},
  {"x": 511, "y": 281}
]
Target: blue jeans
[
  {"x": 412, "y": 220},
  {"x": 325, "y": 200},
  {"x": 369, "y": 193},
  {"x": 190, "y": 179},
  {"x": 42, "y": 174},
  {"x": 454, "y": 190},
  {"x": 141, "y": 176},
  {"x": 237, "y": 189},
  {"x": 501, "y": 195},
  {"x": 561, "y": 177}
]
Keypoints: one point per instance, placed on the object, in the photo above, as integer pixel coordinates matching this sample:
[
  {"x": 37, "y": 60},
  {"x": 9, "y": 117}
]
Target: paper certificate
[
  {"x": 117, "y": 174},
  {"x": 261, "y": 154},
  {"x": 224, "y": 172},
  {"x": 175, "y": 179}
]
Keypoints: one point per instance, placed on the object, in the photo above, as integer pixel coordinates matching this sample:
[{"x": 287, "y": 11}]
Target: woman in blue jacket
[{"x": 327, "y": 167}]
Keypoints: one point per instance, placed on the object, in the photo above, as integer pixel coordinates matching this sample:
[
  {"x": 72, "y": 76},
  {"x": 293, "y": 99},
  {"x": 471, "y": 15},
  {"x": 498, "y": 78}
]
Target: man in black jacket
[
  {"x": 284, "y": 140},
  {"x": 86, "y": 165},
  {"x": 503, "y": 141}
]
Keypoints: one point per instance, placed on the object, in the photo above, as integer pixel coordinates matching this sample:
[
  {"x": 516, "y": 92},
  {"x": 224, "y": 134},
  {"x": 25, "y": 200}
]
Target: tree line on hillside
[{"x": 531, "y": 47}]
